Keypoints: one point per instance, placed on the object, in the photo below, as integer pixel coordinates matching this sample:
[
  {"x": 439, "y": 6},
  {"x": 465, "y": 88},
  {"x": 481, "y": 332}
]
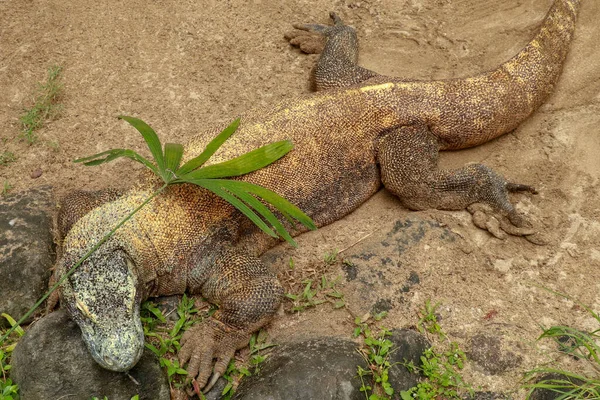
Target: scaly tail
[
  {"x": 493, "y": 103},
  {"x": 537, "y": 67}
]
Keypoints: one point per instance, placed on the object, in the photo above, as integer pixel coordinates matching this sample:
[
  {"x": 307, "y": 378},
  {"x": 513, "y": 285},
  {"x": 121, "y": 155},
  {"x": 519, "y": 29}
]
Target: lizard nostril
[{"x": 108, "y": 361}]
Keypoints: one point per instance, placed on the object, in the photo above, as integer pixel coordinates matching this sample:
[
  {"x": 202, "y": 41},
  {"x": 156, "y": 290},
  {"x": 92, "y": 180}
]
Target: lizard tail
[
  {"x": 536, "y": 69},
  {"x": 504, "y": 97}
]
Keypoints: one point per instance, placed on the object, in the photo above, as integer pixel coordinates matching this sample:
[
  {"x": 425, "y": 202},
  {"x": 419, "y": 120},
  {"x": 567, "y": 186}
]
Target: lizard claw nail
[{"x": 212, "y": 382}]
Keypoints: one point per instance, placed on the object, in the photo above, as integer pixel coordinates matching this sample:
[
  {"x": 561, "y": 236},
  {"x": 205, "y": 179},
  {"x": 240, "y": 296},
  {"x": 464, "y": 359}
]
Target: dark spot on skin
[{"x": 386, "y": 261}]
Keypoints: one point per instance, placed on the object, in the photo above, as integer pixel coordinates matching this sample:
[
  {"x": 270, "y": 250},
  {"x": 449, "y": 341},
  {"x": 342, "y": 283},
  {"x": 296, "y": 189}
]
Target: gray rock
[
  {"x": 315, "y": 369},
  {"x": 326, "y": 368},
  {"x": 409, "y": 345},
  {"x": 376, "y": 271},
  {"x": 51, "y": 361},
  {"x": 26, "y": 249},
  {"x": 487, "y": 351}
]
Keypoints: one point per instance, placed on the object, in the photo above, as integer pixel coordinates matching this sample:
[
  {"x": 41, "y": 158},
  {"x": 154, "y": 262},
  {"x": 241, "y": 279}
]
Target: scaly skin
[{"x": 362, "y": 130}]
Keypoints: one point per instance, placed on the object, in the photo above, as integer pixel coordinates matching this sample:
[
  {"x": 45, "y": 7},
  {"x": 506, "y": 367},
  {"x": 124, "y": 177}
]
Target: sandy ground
[{"x": 178, "y": 64}]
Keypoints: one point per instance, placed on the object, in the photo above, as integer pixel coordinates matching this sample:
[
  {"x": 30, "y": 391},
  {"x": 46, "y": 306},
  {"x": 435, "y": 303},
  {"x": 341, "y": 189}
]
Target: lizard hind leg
[
  {"x": 337, "y": 66},
  {"x": 408, "y": 157}
]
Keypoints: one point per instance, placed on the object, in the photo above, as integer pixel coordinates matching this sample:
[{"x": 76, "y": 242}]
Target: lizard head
[{"x": 102, "y": 297}]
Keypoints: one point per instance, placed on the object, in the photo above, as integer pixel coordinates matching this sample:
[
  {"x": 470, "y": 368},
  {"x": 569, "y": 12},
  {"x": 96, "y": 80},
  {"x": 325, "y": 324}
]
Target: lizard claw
[{"x": 203, "y": 343}]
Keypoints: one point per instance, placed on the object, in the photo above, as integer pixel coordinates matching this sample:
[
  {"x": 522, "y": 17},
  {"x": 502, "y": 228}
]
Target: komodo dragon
[{"x": 359, "y": 130}]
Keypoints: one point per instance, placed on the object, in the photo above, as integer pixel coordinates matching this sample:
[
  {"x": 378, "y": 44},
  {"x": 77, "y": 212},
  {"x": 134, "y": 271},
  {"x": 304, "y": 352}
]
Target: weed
[
  {"x": 440, "y": 365},
  {"x": 6, "y": 157},
  {"x": 583, "y": 346},
  {"x": 45, "y": 106},
  {"x": 234, "y": 374},
  {"x": 163, "y": 339},
  {"x": 376, "y": 353},
  {"x": 317, "y": 292},
  {"x": 8, "y": 390},
  {"x": 428, "y": 320},
  {"x": 6, "y": 187},
  {"x": 331, "y": 258},
  {"x": 442, "y": 377}
]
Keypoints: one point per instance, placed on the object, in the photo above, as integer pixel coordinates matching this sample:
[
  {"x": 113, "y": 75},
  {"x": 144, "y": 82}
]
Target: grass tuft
[
  {"x": 7, "y": 157},
  {"x": 45, "y": 107},
  {"x": 582, "y": 346}
]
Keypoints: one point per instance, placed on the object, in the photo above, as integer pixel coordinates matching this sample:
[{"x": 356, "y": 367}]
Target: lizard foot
[
  {"x": 311, "y": 38},
  {"x": 307, "y": 42},
  {"x": 201, "y": 344},
  {"x": 499, "y": 225}
]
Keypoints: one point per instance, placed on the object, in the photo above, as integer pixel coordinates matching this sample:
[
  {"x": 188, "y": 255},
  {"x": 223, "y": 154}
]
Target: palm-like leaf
[
  {"x": 248, "y": 198},
  {"x": 210, "y": 149}
]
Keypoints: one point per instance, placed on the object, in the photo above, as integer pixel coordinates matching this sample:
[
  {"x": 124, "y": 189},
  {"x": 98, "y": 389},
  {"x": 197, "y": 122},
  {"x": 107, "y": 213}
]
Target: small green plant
[
  {"x": 376, "y": 352},
  {"x": 440, "y": 365},
  {"x": 233, "y": 375},
  {"x": 583, "y": 346},
  {"x": 317, "y": 292},
  {"x": 6, "y": 187},
  {"x": 441, "y": 370},
  {"x": 428, "y": 320},
  {"x": 8, "y": 389},
  {"x": 7, "y": 157},
  {"x": 331, "y": 257},
  {"x": 163, "y": 339},
  {"x": 45, "y": 106}
]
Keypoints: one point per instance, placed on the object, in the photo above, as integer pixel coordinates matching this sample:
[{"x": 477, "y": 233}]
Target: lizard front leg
[
  {"x": 248, "y": 295},
  {"x": 408, "y": 157},
  {"x": 338, "y": 64}
]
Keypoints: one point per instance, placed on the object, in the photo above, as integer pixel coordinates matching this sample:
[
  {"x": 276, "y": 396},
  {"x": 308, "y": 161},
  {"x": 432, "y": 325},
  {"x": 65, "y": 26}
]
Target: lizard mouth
[{"x": 119, "y": 350}]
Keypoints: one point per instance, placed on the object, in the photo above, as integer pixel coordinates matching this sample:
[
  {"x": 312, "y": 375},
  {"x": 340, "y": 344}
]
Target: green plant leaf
[
  {"x": 215, "y": 186},
  {"x": 210, "y": 149},
  {"x": 285, "y": 207},
  {"x": 233, "y": 190},
  {"x": 110, "y": 155},
  {"x": 14, "y": 324},
  {"x": 264, "y": 211},
  {"x": 251, "y": 161},
  {"x": 150, "y": 137},
  {"x": 173, "y": 154}
]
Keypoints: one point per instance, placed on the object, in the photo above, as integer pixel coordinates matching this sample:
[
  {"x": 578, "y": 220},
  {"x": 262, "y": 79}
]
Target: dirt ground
[{"x": 178, "y": 64}]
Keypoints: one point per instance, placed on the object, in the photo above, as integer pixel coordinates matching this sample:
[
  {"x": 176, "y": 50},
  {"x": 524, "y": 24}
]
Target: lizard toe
[
  {"x": 204, "y": 343},
  {"x": 499, "y": 225},
  {"x": 307, "y": 42}
]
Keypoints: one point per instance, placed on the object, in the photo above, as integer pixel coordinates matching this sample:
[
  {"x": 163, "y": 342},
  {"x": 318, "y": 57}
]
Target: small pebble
[{"x": 36, "y": 173}]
